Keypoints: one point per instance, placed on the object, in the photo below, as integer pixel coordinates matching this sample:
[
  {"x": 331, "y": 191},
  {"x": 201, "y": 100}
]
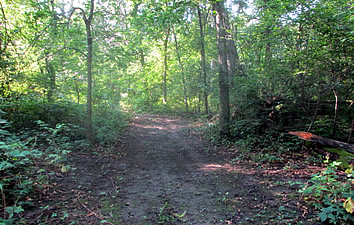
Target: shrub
[
  {"x": 26, "y": 160},
  {"x": 332, "y": 195},
  {"x": 24, "y": 113},
  {"x": 108, "y": 123}
]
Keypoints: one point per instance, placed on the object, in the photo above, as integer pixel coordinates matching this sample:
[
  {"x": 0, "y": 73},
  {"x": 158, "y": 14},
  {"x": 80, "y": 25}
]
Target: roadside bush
[
  {"x": 108, "y": 123},
  {"x": 332, "y": 194},
  {"x": 24, "y": 113},
  {"x": 250, "y": 138},
  {"x": 27, "y": 160}
]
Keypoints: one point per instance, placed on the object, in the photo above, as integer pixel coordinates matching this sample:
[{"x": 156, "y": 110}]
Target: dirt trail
[
  {"x": 162, "y": 175},
  {"x": 170, "y": 178},
  {"x": 167, "y": 169}
]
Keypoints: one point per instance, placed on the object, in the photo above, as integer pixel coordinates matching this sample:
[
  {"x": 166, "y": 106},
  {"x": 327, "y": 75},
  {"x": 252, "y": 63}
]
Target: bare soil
[{"x": 162, "y": 172}]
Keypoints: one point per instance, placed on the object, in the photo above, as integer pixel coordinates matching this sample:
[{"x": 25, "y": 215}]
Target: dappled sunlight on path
[
  {"x": 170, "y": 174},
  {"x": 161, "y": 172},
  {"x": 226, "y": 167}
]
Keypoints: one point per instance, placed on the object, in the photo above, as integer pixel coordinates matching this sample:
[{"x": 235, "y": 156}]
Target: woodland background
[{"x": 248, "y": 71}]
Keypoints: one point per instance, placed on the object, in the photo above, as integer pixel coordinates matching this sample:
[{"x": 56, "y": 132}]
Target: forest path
[
  {"x": 160, "y": 173},
  {"x": 169, "y": 179}
]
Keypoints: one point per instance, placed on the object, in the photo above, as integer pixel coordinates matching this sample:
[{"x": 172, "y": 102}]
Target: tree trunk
[
  {"x": 164, "y": 78},
  {"x": 268, "y": 52},
  {"x": 146, "y": 82},
  {"x": 52, "y": 79},
  {"x": 233, "y": 60},
  {"x": 218, "y": 7},
  {"x": 203, "y": 63},
  {"x": 324, "y": 141},
  {"x": 77, "y": 89},
  {"x": 88, "y": 22},
  {"x": 335, "y": 113},
  {"x": 48, "y": 63},
  {"x": 182, "y": 71}
]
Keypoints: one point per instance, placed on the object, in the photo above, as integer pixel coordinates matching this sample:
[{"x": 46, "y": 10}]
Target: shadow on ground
[{"x": 160, "y": 173}]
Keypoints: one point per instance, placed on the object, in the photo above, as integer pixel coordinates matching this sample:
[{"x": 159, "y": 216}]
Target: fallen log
[{"x": 324, "y": 141}]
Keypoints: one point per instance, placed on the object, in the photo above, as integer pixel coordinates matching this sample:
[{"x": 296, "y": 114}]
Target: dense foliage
[
  {"x": 332, "y": 194},
  {"x": 32, "y": 151},
  {"x": 286, "y": 65},
  {"x": 27, "y": 161}
]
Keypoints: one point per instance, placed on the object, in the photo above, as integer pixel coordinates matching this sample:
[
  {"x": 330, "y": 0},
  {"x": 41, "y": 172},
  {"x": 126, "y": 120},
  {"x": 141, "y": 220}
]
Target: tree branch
[
  {"x": 72, "y": 13},
  {"x": 91, "y": 10}
]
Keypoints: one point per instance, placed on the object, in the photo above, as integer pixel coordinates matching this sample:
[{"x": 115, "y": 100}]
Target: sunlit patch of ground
[
  {"x": 227, "y": 167},
  {"x": 163, "y": 124},
  {"x": 163, "y": 174}
]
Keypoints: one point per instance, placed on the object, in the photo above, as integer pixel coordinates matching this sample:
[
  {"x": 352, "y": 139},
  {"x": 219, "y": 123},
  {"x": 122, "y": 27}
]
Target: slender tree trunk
[
  {"x": 315, "y": 114},
  {"x": 89, "y": 82},
  {"x": 164, "y": 78},
  {"x": 199, "y": 103},
  {"x": 48, "y": 61},
  {"x": 268, "y": 52},
  {"x": 52, "y": 79},
  {"x": 77, "y": 89},
  {"x": 185, "y": 97},
  {"x": 220, "y": 16},
  {"x": 203, "y": 63},
  {"x": 5, "y": 37},
  {"x": 351, "y": 131},
  {"x": 88, "y": 22},
  {"x": 146, "y": 82},
  {"x": 230, "y": 51},
  {"x": 335, "y": 113}
]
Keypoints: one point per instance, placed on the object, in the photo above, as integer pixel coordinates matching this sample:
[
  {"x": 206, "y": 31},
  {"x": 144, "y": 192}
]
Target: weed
[
  {"x": 164, "y": 214},
  {"x": 332, "y": 194},
  {"x": 108, "y": 123},
  {"x": 27, "y": 159}
]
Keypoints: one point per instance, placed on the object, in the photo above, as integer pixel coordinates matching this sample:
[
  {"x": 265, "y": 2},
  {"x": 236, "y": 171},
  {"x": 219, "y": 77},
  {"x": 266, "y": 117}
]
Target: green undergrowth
[
  {"x": 35, "y": 140},
  {"x": 252, "y": 143},
  {"x": 330, "y": 192},
  {"x": 109, "y": 124},
  {"x": 24, "y": 112},
  {"x": 168, "y": 215},
  {"x": 344, "y": 157},
  {"x": 28, "y": 160}
]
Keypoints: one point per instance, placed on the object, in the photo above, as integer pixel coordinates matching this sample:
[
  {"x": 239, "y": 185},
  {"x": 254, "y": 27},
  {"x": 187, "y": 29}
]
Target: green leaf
[
  {"x": 11, "y": 210},
  {"x": 24, "y": 154},
  {"x": 328, "y": 209},
  {"x": 180, "y": 215},
  {"x": 2, "y": 121},
  {"x": 281, "y": 208},
  {"x": 5, "y": 165},
  {"x": 323, "y": 216}
]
